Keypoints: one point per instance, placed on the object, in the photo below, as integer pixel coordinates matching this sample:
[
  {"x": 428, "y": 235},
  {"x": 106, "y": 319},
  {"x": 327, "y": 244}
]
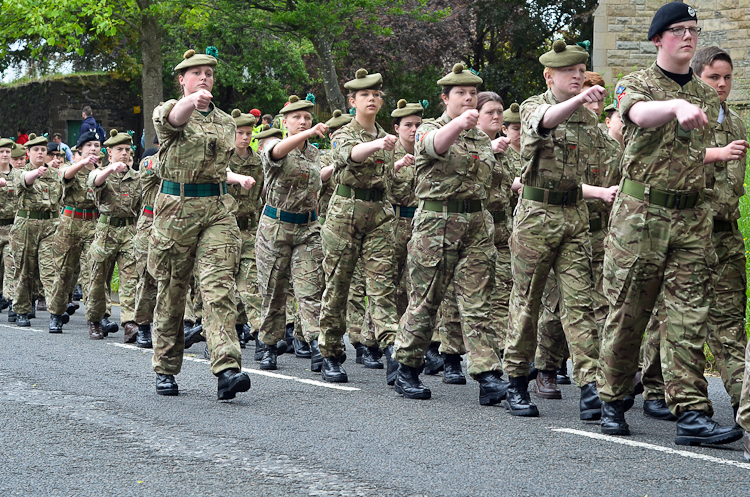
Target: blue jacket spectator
[{"x": 89, "y": 124}]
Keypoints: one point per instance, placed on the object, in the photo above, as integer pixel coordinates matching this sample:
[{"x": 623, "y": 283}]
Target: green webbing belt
[
  {"x": 116, "y": 221},
  {"x": 499, "y": 216},
  {"x": 552, "y": 197},
  {"x": 721, "y": 226},
  {"x": 370, "y": 195},
  {"x": 451, "y": 206},
  {"x": 38, "y": 214},
  {"x": 670, "y": 200}
]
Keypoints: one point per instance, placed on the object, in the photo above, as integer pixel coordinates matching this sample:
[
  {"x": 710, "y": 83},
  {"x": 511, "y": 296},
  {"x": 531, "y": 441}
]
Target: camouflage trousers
[
  {"x": 7, "y": 266},
  {"x": 145, "y": 289},
  {"x": 32, "y": 244},
  {"x": 73, "y": 239},
  {"x": 190, "y": 232},
  {"x": 657, "y": 253},
  {"x": 743, "y": 414},
  {"x": 112, "y": 245},
  {"x": 194, "y": 301},
  {"x": 357, "y": 229},
  {"x": 552, "y": 347},
  {"x": 292, "y": 314},
  {"x": 287, "y": 251},
  {"x": 549, "y": 237},
  {"x": 601, "y": 305},
  {"x": 727, "y": 339},
  {"x": 448, "y": 249},
  {"x": 356, "y": 309},
  {"x": 249, "y": 302}
]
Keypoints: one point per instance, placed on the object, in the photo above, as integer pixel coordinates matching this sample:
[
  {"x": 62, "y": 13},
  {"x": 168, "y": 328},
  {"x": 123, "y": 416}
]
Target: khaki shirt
[
  {"x": 375, "y": 172},
  {"x": 559, "y": 158},
  {"x": 292, "y": 184},
  {"x": 667, "y": 157},
  {"x": 607, "y": 172},
  {"x": 402, "y": 190},
  {"x": 199, "y": 150},
  {"x": 249, "y": 202},
  {"x": 326, "y": 189},
  {"x": 463, "y": 172},
  {"x": 150, "y": 182},
  {"x": 75, "y": 191},
  {"x": 119, "y": 195},
  {"x": 498, "y": 197},
  {"x": 42, "y": 195},
  {"x": 8, "y": 199},
  {"x": 728, "y": 180}
]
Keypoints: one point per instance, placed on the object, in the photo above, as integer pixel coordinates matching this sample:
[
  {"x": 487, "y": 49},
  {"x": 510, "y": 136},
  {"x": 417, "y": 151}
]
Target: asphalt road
[{"x": 80, "y": 417}]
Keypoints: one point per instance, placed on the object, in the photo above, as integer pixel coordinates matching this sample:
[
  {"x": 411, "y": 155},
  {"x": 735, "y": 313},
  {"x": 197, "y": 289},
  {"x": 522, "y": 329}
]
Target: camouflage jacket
[
  {"x": 326, "y": 189},
  {"x": 666, "y": 157},
  {"x": 498, "y": 196},
  {"x": 150, "y": 182},
  {"x": 514, "y": 161},
  {"x": 120, "y": 195},
  {"x": 292, "y": 184},
  {"x": 402, "y": 189},
  {"x": 42, "y": 195},
  {"x": 199, "y": 150},
  {"x": 464, "y": 172},
  {"x": 606, "y": 172},
  {"x": 728, "y": 179},
  {"x": 375, "y": 172},
  {"x": 75, "y": 191},
  {"x": 559, "y": 158},
  {"x": 249, "y": 202},
  {"x": 8, "y": 198}
]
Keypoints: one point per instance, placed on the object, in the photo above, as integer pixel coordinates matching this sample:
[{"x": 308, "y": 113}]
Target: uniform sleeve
[
  {"x": 425, "y": 144},
  {"x": 164, "y": 129},
  {"x": 92, "y": 178},
  {"x": 630, "y": 90},
  {"x": 268, "y": 162},
  {"x": 532, "y": 113},
  {"x": 61, "y": 176},
  {"x": 19, "y": 179},
  {"x": 343, "y": 145}
]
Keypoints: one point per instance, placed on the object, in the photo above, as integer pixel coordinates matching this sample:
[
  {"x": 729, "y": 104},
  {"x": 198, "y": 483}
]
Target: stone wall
[
  {"x": 621, "y": 28},
  {"x": 46, "y": 106}
]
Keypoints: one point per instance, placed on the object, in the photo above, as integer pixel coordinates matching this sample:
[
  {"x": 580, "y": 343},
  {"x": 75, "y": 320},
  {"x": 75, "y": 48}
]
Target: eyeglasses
[{"x": 680, "y": 32}]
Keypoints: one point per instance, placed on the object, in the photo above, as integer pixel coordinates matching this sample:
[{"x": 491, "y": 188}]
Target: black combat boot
[
  {"x": 562, "y": 374},
  {"x": 391, "y": 365},
  {"x": 533, "y": 372},
  {"x": 23, "y": 320},
  {"x": 55, "y": 323},
  {"x": 78, "y": 293},
  {"x": 12, "y": 316},
  {"x": 259, "y": 348},
  {"x": 433, "y": 361},
  {"x": 4, "y": 303},
  {"x": 108, "y": 327},
  {"x": 240, "y": 335},
  {"x": 166, "y": 385},
  {"x": 371, "y": 358},
  {"x": 360, "y": 350},
  {"x": 268, "y": 362},
  {"x": 452, "y": 373},
  {"x": 289, "y": 335},
  {"x": 71, "y": 309},
  {"x": 332, "y": 371},
  {"x": 194, "y": 335},
  {"x": 696, "y": 428},
  {"x": 409, "y": 385},
  {"x": 301, "y": 349},
  {"x": 143, "y": 340},
  {"x": 591, "y": 405},
  {"x": 518, "y": 400},
  {"x": 492, "y": 388},
  {"x": 316, "y": 360},
  {"x": 613, "y": 418},
  {"x": 658, "y": 409},
  {"x": 232, "y": 382}
]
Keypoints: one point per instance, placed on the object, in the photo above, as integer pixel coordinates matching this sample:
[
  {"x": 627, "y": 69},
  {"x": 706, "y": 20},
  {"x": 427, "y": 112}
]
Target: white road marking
[
  {"x": 21, "y": 328},
  {"x": 633, "y": 443},
  {"x": 255, "y": 371}
]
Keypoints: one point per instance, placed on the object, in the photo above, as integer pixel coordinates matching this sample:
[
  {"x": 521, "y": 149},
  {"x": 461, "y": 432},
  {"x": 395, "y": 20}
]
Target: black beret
[
  {"x": 668, "y": 14},
  {"x": 88, "y": 136},
  {"x": 52, "y": 147}
]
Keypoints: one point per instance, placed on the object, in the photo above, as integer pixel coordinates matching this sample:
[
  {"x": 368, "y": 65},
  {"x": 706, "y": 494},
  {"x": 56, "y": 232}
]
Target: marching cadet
[
  {"x": 659, "y": 245},
  {"x": 75, "y": 233},
  {"x": 117, "y": 192},
  {"x": 32, "y": 234},
  {"x": 452, "y": 241},
  {"x": 194, "y": 223},
  {"x": 288, "y": 240},
  {"x": 7, "y": 214},
  {"x": 17, "y": 162}
]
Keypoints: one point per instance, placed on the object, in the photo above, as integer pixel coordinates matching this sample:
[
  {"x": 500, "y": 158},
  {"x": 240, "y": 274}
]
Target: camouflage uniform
[
  {"x": 32, "y": 234},
  {"x": 452, "y": 242},
  {"x": 145, "y": 289},
  {"x": 359, "y": 224},
  {"x": 288, "y": 242},
  {"x": 248, "y": 206},
  {"x": 553, "y": 234},
  {"x": 659, "y": 245},
  {"x": 8, "y": 209},
  {"x": 73, "y": 239},
  {"x": 743, "y": 414},
  {"x": 726, "y": 317},
  {"x": 188, "y": 228},
  {"x": 119, "y": 202}
]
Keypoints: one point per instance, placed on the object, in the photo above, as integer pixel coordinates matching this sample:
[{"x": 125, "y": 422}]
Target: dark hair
[
  {"x": 397, "y": 120},
  {"x": 87, "y": 110},
  {"x": 488, "y": 96},
  {"x": 268, "y": 117},
  {"x": 56, "y": 135},
  {"x": 609, "y": 112},
  {"x": 707, "y": 56}
]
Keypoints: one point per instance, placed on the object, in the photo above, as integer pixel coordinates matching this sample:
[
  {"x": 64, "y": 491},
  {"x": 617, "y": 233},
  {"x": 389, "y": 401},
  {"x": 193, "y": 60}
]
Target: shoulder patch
[
  {"x": 334, "y": 144},
  {"x": 620, "y": 89}
]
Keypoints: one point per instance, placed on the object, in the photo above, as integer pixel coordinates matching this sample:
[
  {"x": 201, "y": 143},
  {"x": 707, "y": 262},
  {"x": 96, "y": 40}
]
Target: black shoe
[
  {"x": 166, "y": 385},
  {"x": 108, "y": 327},
  {"x": 12, "y": 316},
  {"x": 238, "y": 330},
  {"x": 360, "y": 349},
  {"x": 562, "y": 375},
  {"x": 518, "y": 400},
  {"x": 65, "y": 318},
  {"x": 433, "y": 361},
  {"x": 71, "y": 309},
  {"x": 282, "y": 347},
  {"x": 232, "y": 382},
  {"x": 452, "y": 373},
  {"x": 55, "y": 323},
  {"x": 301, "y": 349},
  {"x": 533, "y": 372},
  {"x": 259, "y": 347},
  {"x": 332, "y": 371},
  {"x": 409, "y": 385},
  {"x": 591, "y": 405},
  {"x": 289, "y": 335},
  {"x": 23, "y": 320},
  {"x": 627, "y": 402},
  {"x": 268, "y": 362},
  {"x": 4, "y": 303},
  {"x": 194, "y": 335},
  {"x": 391, "y": 365},
  {"x": 316, "y": 360},
  {"x": 371, "y": 358},
  {"x": 143, "y": 340},
  {"x": 78, "y": 293},
  {"x": 613, "y": 418},
  {"x": 246, "y": 335},
  {"x": 657, "y": 409},
  {"x": 492, "y": 388},
  {"x": 696, "y": 428}
]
